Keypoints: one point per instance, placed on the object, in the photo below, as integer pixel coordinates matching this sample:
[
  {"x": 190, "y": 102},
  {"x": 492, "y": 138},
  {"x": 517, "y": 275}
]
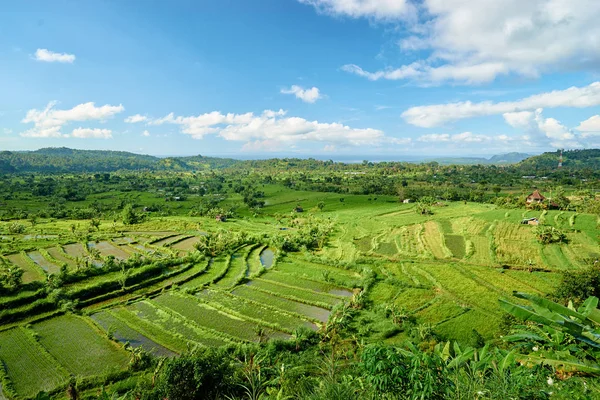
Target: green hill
[
  {"x": 572, "y": 159},
  {"x": 71, "y": 160}
]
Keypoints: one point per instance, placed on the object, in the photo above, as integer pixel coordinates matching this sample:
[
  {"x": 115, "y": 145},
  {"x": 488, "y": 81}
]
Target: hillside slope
[
  {"x": 70, "y": 160},
  {"x": 572, "y": 159}
]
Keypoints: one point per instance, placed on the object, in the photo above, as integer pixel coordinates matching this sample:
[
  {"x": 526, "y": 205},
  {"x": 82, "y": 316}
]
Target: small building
[
  {"x": 535, "y": 197},
  {"x": 406, "y": 201},
  {"x": 299, "y": 209},
  {"x": 220, "y": 218},
  {"x": 531, "y": 221}
]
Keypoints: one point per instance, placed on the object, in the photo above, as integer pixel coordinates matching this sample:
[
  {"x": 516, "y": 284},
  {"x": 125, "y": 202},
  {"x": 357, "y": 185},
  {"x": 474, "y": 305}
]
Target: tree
[
  {"x": 13, "y": 277},
  {"x": 321, "y": 205},
  {"x": 204, "y": 375},
  {"x": 129, "y": 215},
  {"x": 16, "y": 228},
  {"x": 95, "y": 224},
  {"x": 549, "y": 234}
]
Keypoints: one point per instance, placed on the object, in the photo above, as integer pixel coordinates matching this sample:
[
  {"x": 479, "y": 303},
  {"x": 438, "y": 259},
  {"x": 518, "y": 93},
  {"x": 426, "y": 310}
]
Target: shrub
[
  {"x": 549, "y": 234},
  {"x": 205, "y": 375}
]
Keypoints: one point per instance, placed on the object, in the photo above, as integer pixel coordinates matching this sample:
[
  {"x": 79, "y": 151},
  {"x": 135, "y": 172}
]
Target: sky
[{"x": 309, "y": 78}]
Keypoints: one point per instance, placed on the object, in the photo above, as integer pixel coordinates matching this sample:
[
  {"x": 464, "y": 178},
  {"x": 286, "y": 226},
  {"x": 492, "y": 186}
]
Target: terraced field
[
  {"x": 277, "y": 299},
  {"x": 448, "y": 270},
  {"x": 79, "y": 347},
  {"x": 31, "y": 273},
  {"x": 29, "y": 367},
  {"x": 47, "y": 266}
]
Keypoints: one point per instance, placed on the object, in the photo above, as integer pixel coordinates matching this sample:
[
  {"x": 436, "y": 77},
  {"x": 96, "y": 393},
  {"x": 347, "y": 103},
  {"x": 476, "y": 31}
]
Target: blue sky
[{"x": 321, "y": 78}]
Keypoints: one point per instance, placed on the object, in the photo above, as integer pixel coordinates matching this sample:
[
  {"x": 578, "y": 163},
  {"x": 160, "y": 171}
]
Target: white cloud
[
  {"x": 7, "y": 131},
  {"x": 270, "y": 127},
  {"x": 49, "y": 121},
  {"x": 469, "y": 137},
  {"x": 434, "y": 137},
  {"x": 306, "y": 95},
  {"x": 407, "y": 71},
  {"x": 50, "y": 56},
  {"x": 146, "y": 134},
  {"x": 519, "y": 119},
  {"x": 439, "y": 114},
  {"x": 471, "y": 42},
  {"x": 86, "y": 133},
  {"x": 591, "y": 124},
  {"x": 377, "y": 9},
  {"x": 543, "y": 131},
  {"x": 471, "y": 74},
  {"x": 133, "y": 119}
]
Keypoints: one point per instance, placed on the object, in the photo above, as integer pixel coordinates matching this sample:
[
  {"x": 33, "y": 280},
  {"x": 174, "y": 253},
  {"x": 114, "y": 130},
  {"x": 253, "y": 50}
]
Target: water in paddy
[
  {"x": 37, "y": 257},
  {"x": 124, "y": 334},
  {"x": 123, "y": 240},
  {"x": 29, "y": 237},
  {"x": 341, "y": 292},
  {"x": 266, "y": 258}
]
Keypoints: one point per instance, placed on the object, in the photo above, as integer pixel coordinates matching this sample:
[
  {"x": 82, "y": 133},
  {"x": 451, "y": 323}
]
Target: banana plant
[{"x": 568, "y": 338}]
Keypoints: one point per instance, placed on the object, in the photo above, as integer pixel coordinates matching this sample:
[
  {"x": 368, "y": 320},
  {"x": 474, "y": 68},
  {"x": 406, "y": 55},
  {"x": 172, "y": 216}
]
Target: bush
[
  {"x": 580, "y": 285},
  {"x": 549, "y": 234},
  {"x": 16, "y": 228},
  {"x": 204, "y": 375}
]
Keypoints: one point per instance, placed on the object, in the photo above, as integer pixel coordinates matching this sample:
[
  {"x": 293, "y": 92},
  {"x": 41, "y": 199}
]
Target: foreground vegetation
[{"x": 256, "y": 281}]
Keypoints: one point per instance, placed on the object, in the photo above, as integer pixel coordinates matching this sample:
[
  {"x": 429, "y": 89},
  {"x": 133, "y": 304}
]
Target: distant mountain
[
  {"x": 63, "y": 159},
  {"x": 572, "y": 159},
  {"x": 508, "y": 158}
]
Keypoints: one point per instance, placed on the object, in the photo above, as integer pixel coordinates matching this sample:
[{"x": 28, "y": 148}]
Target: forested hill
[
  {"x": 572, "y": 159},
  {"x": 70, "y": 160},
  {"x": 60, "y": 160}
]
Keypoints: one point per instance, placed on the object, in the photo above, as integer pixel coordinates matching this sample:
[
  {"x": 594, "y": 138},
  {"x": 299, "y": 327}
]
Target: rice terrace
[
  {"x": 300, "y": 200},
  {"x": 106, "y": 293}
]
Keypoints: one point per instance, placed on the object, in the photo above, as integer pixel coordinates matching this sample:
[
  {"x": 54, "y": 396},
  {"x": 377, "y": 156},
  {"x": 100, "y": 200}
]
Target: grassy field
[
  {"x": 79, "y": 347},
  {"x": 29, "y": 367},
  {"x": 448, "y": 270}
]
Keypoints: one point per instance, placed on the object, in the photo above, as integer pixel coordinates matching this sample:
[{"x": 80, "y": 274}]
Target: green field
[
  {"x": 447, "y": 271},
  {"x": 79, "y": 347},
  {"x": 29, "y": 367}
]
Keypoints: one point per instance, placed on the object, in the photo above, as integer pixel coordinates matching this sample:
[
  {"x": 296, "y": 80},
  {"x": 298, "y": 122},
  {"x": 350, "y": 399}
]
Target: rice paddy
[{"x": 448, "y": 270}]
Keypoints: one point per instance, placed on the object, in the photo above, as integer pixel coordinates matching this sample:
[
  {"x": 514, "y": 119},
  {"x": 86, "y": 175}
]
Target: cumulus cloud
[
  {"x": 407, "y": 71},
  {"x": 376, "y": 9},
  {"x": 87, "y": 133},
  {"x": 271, "y": 127},
  {"x": 472, "y": 42},
  {"x": 146, "y": 134},
  {"x": 439, "y": 114},
  {"x": 470, "y": 74},
  {"x": 306, "y": 95},
  {"x": 544, "y": 131},
  {"x": 49, "y": 121},
  {"x": 50, "y": 56},
  {"x": 469, "y": 137},
  {"x": 133, "y": 119},
  {"x": 591, "y": 124}
]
